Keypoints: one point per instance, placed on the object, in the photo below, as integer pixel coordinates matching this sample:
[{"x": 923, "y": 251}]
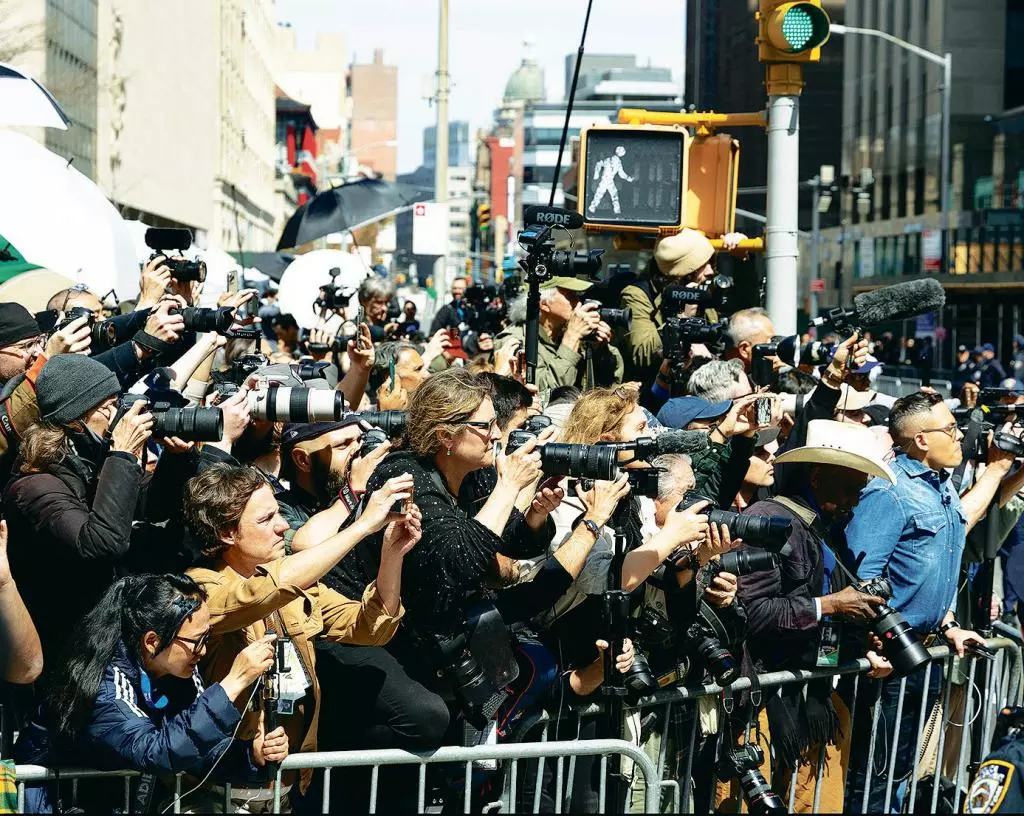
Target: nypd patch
[{"x": 989, "y": 787}]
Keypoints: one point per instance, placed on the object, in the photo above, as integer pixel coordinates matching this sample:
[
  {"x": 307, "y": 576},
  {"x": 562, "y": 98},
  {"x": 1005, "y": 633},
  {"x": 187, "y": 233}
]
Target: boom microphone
[
  {"x": 899, "y": 302},
  {"x": 553, "y": 216},
  {"x": 681, "y": 441}
]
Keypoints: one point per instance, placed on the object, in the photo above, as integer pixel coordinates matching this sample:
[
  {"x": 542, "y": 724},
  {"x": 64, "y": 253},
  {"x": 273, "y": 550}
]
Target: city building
[
  {"x": 460, "y": 202},
  {"x": 606, "y": 84},
  {"x": 891, "y": 131},
  {"x": 373, "y": 115},
  {"x": 317, "y": 77},
  {"x": 458, "y": 145},
  {"x": 57, "y": 43},
  {"x": 295, "y": 167},
  {"x": 186, "y": 136}
]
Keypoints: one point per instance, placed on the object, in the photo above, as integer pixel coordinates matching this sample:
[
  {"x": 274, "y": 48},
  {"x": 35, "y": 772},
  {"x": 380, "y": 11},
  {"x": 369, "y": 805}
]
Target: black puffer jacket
[{"x": 70, "y": 528}]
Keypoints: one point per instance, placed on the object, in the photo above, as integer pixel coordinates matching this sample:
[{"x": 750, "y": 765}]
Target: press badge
[
  {"x": 828, "y": 644},
  {"x": 293, "y": 682}
]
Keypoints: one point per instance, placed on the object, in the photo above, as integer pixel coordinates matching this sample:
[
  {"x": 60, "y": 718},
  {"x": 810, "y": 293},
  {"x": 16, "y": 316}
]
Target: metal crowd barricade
[
  {"x": 1002, "y": 686},
  {"x": 512, "y": 754}
]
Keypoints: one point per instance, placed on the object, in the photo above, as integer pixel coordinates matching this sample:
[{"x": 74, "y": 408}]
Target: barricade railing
[{"x": 970, "y": 738}]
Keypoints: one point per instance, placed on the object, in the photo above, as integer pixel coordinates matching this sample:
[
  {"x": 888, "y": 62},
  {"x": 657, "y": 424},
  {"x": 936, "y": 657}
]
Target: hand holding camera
[
  {"x": 851, "y": 354},
  {"x": 402, "y": 535},
  {"x": 249, "y": 666},
  {"x": 73, "y": 338},
  {"x": 603, "y": 498},
  {"x": 852, "y": 603},
  {"x": 133, "y": 430},
  {"x": 364, "y": 464},
  {"x": 165, "y": 322},
  {"x": 584, "y": 322},
  {"x": 380, "y": 508},
  {"x": 520, "y": 468},
  {"x": 156, "y": 277}
]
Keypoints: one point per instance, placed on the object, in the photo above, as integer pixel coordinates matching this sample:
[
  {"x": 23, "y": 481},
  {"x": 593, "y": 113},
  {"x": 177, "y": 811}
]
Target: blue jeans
[{"x": 876, "y": 767}]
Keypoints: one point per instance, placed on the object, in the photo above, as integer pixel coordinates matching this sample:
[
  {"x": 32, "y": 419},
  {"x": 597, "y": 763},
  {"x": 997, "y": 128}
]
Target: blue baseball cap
[
  {"x": 988, "y": 347},
  {"x": 681, "y": 411}
]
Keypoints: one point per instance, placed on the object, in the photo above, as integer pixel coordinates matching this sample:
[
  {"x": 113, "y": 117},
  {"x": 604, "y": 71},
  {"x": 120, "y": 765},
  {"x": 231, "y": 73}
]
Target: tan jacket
[{"x": 238, "y": 607}]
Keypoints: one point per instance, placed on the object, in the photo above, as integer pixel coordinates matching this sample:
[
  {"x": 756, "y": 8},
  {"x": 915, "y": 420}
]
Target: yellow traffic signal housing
[
  {"x": 791, "y": 32},
  {"x": 483, "y": 217},
  {"x": 713, "y": 165},
  {"x": 632, "y": 178}
]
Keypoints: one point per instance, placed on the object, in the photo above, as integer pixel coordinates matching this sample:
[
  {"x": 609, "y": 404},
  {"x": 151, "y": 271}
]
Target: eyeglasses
[
  {"x": 25, "y": 346},
  {"x": 483, "y": 426},
  {"x": 197, "y": 644},
  {"x": 949, "y": 430}
]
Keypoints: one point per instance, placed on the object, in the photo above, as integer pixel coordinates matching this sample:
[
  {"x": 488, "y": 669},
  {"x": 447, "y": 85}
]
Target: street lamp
[{"x": 944, "y": 60}]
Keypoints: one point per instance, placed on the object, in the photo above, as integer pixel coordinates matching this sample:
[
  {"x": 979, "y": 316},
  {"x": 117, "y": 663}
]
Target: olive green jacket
[{"x": 559, "y": 365}]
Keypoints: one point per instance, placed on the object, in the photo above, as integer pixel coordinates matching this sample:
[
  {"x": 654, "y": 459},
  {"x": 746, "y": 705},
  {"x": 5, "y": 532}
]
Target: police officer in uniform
[{"x": 997, "y": 786}]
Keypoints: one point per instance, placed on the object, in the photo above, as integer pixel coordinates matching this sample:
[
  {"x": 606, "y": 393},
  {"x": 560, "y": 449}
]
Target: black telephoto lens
[
  {"x": 899, "y": 642},
  {"x": 189, "y": 424},
  {"x": 104, "y": 336},
  {"x": 746, "y": 562},
  {"x": 718, "y": 660},
  {"x": 185, "y": 270},
  {"x": 580, "y": 461},
  {"x": 200, "y": 320},
  {"x": 639, "y": 681},
  {"x": 391, "y": 422},
  {"x": 617, "y": 318},
  {"x": 761, "y": 799}
]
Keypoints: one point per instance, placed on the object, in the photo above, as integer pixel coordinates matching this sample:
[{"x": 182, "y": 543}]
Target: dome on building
[{"x": 526, "y": 84}]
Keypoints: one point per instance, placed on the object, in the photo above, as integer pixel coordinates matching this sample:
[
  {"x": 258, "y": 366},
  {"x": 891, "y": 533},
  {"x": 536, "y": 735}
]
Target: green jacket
[{"x": 560, "y": 365}]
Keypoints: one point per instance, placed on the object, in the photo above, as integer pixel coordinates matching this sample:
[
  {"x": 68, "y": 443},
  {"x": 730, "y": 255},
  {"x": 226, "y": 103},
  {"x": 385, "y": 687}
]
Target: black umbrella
[
  {"x": 271, "y": 264},
  {"x": 347, "y": 207}
]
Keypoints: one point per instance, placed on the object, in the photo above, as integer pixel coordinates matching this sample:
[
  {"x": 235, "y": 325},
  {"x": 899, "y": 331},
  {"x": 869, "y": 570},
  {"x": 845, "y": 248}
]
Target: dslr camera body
[
  {"x": 679, "y": 333},
  {"x": 173, "y": 417},
  {"x": 899, "y": 642},
  {"x": 743, "y": 762},
  {"x": 167, "y": 240},
  {"x": 767, "y": 532},
  {"x": 102, "y": 333}
]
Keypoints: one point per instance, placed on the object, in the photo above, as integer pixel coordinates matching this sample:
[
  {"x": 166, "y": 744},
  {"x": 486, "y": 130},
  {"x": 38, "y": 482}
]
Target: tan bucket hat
[{"x": 682, "y": 254}]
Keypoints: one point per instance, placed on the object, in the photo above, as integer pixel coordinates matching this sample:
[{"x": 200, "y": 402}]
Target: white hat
[
  {"x": 842, "y": 444},
  {"x": 850, "y": 399}
]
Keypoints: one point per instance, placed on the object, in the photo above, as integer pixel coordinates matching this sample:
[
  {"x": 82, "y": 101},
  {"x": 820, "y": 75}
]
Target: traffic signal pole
[{"x": 783, "y": 205}]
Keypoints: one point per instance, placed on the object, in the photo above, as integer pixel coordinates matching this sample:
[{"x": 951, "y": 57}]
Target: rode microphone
[{"x": 552, "y": 217}]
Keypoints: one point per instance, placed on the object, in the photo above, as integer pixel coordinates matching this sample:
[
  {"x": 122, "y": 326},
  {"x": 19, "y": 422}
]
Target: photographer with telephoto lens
[
  {"x": 797, "y": 609},
  {"x": 79, "y": 488}
]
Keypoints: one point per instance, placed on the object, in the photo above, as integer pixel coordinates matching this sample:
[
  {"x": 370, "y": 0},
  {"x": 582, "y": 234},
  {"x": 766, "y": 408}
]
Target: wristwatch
[
  {"x": 592, "y": 526},
  {"x": 953, "y": 624}
]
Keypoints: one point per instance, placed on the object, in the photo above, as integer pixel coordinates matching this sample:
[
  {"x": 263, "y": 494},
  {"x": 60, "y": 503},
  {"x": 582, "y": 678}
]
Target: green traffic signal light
[
  {"x": 797, "y": 28},
  {"x": 803, "y": 26}
]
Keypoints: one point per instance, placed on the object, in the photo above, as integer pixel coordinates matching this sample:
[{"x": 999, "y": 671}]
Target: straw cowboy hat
[{"x": 841, "y": 444}]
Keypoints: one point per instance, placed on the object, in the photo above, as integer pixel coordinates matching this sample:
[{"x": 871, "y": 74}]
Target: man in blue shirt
[{"x": 913, "y": 532}]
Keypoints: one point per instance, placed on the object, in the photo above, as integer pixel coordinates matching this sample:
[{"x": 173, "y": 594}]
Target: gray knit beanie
[{"x": 70, "y": 385}]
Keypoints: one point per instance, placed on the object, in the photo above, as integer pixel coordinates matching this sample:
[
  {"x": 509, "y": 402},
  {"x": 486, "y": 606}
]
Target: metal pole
[
  {"x": 783, "y": 207},
  {"x": 698, "y": 52},
  {"x": 441, "y": 142},
  {"x": 947, "y": 102},
  {"x": 815, "y": 236},
  {"x": 686, "y": 45}
]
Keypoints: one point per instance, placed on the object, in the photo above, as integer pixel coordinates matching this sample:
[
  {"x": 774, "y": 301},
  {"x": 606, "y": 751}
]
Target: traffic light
[
  {"x": 791, "y": 32},
  {"x": 469, "y": 266},
  {"x": 483, "y": 218}
]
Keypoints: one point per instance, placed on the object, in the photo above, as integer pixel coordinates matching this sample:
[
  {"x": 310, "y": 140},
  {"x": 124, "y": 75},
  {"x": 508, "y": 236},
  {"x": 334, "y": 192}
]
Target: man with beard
[{"x": 326, "y": 477}]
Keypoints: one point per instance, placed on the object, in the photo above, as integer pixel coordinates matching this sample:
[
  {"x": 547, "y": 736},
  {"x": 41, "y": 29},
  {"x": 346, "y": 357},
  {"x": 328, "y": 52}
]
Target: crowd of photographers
[{"x": 228, "y": 538}]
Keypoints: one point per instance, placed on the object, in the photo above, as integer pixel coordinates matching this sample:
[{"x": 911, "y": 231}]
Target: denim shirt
[{"x": 913, "y": 532}]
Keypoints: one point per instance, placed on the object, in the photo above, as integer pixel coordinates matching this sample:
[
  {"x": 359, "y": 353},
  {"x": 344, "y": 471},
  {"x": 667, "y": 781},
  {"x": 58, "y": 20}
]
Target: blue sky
[{"x": 485, "y": 45}]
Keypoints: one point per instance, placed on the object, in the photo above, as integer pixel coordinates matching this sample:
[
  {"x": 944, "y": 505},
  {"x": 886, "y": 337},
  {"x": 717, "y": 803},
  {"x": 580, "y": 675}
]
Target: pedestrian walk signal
[{"x": 632, "y": 178}]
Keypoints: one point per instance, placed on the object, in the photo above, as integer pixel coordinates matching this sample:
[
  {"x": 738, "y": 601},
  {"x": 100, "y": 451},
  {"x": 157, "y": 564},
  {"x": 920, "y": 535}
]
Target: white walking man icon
[{"x": 607, "y": 170}]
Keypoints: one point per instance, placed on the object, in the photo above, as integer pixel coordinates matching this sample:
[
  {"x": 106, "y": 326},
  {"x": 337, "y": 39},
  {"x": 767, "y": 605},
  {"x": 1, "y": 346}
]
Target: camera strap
[
  {"x": 975, "y": 426},
  {"x": 145, "y": 340}
]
